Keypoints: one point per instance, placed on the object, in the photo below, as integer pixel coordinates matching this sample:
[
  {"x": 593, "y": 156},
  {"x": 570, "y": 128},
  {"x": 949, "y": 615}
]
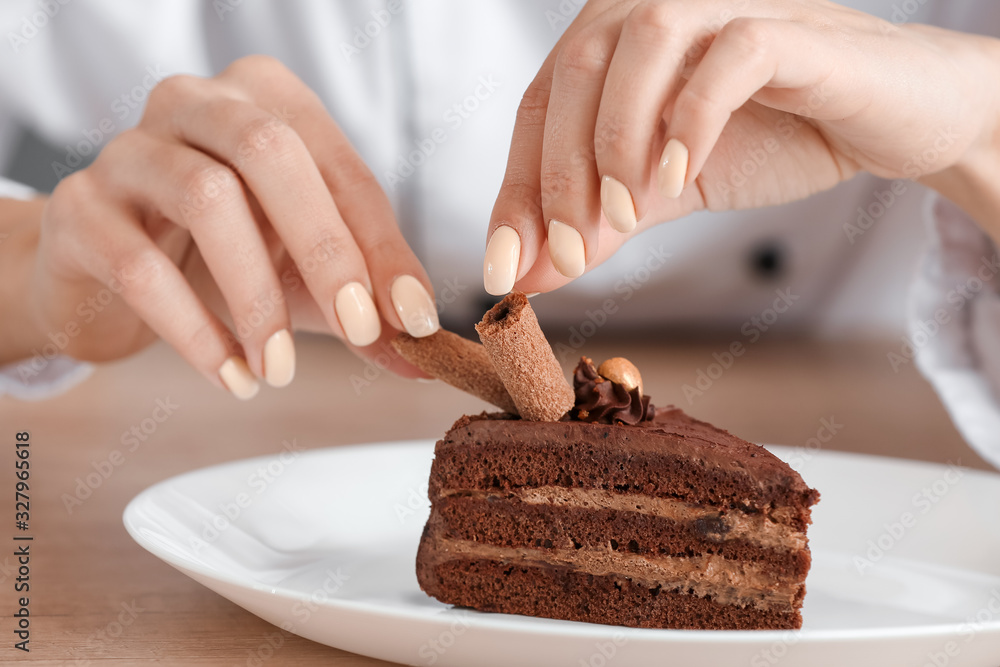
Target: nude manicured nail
[
  {"x": 279, "y": 359},
  {"x": 415, "y": 307},
  {"x": 566, "y": 249},
  {"x": 500, "y": 265},
  {"x": 617, "y": 203},
  {"x": 357, "y": 314},
  {"x": 236, "y": 375},
  {"x": 673, "y": 169}
]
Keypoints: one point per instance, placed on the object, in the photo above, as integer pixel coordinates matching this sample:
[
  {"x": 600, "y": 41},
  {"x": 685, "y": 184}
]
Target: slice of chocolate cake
[
  {"x": 617, "y": 513},
  {"x": 667, "y": 523}
]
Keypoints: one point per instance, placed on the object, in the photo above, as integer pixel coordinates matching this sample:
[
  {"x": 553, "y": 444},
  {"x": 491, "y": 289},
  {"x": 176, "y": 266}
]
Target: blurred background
[{"x": 815, "y": 294}]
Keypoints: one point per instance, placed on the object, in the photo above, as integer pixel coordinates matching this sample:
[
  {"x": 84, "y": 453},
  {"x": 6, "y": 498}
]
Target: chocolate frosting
[{"x": 599, "y": 400}]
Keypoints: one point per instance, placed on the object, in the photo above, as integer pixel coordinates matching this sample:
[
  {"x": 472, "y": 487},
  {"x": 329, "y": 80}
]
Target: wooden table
[{"x": 89, "y": 580}]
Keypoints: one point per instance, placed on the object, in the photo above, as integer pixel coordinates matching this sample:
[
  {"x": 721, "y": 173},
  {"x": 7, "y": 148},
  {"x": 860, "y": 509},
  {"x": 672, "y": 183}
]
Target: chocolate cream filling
[
  {"x": 726, "y": 582},
  {"x": 763, "y": 529}
]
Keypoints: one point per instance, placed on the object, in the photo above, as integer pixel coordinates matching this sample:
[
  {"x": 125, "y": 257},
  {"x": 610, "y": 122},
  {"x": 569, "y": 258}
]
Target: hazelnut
[{"x": 622, "y": 371}]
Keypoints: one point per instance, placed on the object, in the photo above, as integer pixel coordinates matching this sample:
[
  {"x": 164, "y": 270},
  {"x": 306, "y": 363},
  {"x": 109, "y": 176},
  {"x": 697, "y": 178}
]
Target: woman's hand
[
  {"x": 235, "y": 198},
  {"x": 647, "y": 111}
]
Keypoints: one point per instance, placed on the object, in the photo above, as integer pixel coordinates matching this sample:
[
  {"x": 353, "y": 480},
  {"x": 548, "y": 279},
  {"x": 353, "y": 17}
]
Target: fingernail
[
  {"x": 617, "y": 203},
  {"x": 500, "y": 266},
  {"x": 415, "y": 307},
  {"x": 566, "y": 249},
  {"x": 357, "y": 314},
  {"x": 279, "y": 359},
  {"x": 426, "y": 380},
  {"x": 532, "y": 294},
  {"x": 236, "y": 375},
  {"x": 673, "y": 169}
]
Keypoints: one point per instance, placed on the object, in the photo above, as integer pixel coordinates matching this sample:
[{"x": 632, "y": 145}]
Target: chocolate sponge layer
[
  {"x": 514, "y": 524},
  {"x": 558, "y": 592},
  {"x": 673, "y": 456}
]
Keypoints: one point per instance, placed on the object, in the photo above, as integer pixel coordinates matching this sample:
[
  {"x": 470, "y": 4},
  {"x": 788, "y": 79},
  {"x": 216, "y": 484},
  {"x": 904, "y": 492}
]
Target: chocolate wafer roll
[
  {"x": 524, "y": 360},
  {"x": 462, "y": 363}
]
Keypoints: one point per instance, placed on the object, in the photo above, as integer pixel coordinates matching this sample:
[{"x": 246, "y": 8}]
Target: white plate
[{"x": 906, "y": 566}]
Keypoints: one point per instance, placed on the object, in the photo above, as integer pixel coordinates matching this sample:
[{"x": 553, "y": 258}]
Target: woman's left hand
[{"x": 648, "y": 110}]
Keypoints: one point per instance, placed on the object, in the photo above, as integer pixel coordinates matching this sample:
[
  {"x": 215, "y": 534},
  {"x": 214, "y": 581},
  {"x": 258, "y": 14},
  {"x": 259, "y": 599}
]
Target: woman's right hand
[
  {"x": 239, "y": 195},
  {"x": 648, "y": 110}
]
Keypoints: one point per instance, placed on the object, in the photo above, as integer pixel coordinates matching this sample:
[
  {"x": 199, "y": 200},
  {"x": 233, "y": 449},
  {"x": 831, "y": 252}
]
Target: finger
[
  {"x": 120, "y": 254},
  {"x": 276, "y": 165},
  {"x": 642, "y": 78},
  {"x": 518, "y": 208},
  {"x": 543, "y": 277},
  {"x": 208, "y": 199},
  {"x": 516, "y": 232},
  {"x": 569, "y": 179},
  {"x": 748, "y": 55},
  {"x": 402, "y": 289}
]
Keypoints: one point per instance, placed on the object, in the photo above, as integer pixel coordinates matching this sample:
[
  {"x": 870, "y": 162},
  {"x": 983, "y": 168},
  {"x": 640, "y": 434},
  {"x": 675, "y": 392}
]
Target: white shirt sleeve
[
  {"x": 14, "y": 190},
  {"x": 955, "y": 325},
  {"x": 39, "y": 377}
]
